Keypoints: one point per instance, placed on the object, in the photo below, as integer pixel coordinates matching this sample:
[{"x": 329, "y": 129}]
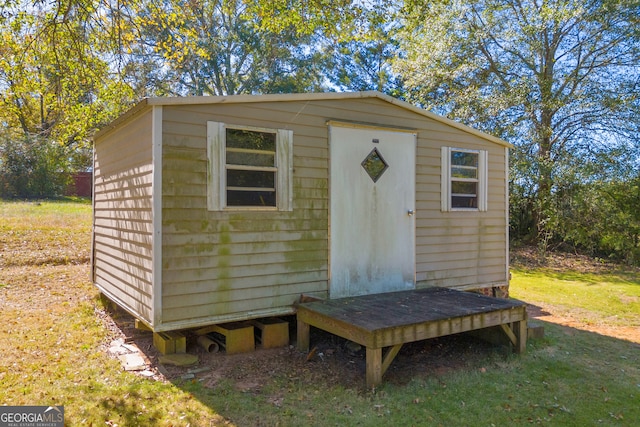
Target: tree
[
  {"x": 68, "y": 67},
  {"x": 558, "y": 78},
  {"x": 363, "y": 62},
  {"x": 602, "y": 218},
  {"x": 31, "y": 167},
  {"x": 57, "y": 84},
  {"x": 216, "y": 47},
  {"x": 335, "y": 20},
  {"x": 352, "y": 40}
]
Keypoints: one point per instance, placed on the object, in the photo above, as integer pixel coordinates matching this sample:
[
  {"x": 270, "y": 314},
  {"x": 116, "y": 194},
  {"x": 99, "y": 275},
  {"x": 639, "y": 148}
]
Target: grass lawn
[
  {"x": 54, "y": 340},
  {"x": 611, "y": 298}
]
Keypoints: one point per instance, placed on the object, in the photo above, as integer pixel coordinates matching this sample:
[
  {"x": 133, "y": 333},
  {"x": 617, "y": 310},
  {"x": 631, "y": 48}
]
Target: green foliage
[
  {"x": 602, "y": 219},
  {"x": 558, "y": 79},
  {"x": 217, "y": 47},
  {"x": 31, "y": 167},
  {"x": 364, "y": 63},
  {"x": 57, "y": 78},
  {"x": 337, "y": 20},
  {"x": 588, "y": 212}
]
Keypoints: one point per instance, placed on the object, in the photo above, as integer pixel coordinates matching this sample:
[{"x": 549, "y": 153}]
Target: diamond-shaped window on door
[{"x": 374, "y": 164}]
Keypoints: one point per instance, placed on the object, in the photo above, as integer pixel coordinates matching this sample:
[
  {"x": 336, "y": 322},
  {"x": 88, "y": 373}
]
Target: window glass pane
[
  {"x": 374, "y": 164},
  {"x": 461, "y": 158},
  {"x": 238, "y": 138},
  {"x": 242, "y": 178},
  {"x": 250, "y": 159},
  {"x": 251, "y": 198},
  {"x": 460, "y": 187},
  {"x": 464, "y": 202},
  {"x": 258, "y": 150},
  {"x": 463, "y": 172}
]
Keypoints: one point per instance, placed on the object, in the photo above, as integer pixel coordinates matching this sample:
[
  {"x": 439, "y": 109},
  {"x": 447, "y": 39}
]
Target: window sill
[
  {"x": 250, "y": 208},
  {"x": 463, "y": 210}
]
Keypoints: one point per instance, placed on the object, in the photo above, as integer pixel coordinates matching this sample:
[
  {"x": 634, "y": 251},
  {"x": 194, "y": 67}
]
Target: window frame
[
  {"x": 447, "y": 180},
  {"x": 217, "y": 168}
]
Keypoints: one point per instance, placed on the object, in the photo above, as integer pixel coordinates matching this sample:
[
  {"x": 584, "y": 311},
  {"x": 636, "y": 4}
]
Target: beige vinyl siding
[
  {"x": 123, "y": 229},
  {"x": 233, "y": 265},
  {"x": 236, "y": 264},
  {"x": 462, "y": 249}
]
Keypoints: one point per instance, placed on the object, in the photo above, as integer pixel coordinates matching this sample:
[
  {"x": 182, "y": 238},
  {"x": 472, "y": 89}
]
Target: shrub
[{"x": 32, "y": 167}]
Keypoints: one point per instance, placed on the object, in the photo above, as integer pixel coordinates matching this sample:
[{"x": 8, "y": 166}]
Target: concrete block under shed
[
  {"x": 272, "y": 332},
  {"x": 236, "y": 337},
  {"x": 170, "y": 342}
]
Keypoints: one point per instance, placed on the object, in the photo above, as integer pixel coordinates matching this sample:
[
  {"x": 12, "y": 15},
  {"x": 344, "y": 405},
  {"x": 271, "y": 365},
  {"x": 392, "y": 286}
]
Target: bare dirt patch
[
  {"x": 546, "y": 313},
  {"x": 333, "y": 360},
  {"x": 528, "y": 257}
]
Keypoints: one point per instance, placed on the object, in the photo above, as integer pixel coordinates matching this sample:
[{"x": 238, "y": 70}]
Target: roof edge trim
[
  {"x": 141, "y": 105},
  {"x": 443, "y": 120}
]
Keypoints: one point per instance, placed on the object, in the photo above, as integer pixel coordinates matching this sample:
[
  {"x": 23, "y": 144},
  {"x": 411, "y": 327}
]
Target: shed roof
[{"x": 239, "y": 99}]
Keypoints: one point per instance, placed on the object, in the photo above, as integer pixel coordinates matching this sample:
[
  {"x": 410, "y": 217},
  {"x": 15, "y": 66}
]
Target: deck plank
[{"x": 397, "y": 309}]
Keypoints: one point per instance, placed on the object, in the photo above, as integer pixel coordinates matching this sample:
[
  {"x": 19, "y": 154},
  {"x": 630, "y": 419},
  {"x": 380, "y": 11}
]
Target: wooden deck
[{"x": 392, "y": 319}]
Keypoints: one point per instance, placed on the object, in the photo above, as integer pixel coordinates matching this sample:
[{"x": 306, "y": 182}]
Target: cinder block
[
  {"x": 273, "y": 332},
  {"x": 163, "y": 343},
  {"x": 170, "y": 342},
  {"x": 180, "y": 341},
  {"x": 238, "y": 336}
]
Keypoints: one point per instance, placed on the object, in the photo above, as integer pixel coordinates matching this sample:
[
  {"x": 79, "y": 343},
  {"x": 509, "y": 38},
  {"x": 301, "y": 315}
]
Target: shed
[{"x": 226, "y": 208}]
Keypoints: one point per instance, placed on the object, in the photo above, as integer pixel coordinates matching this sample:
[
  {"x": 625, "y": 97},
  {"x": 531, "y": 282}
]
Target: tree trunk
[{"x": 543, "y": 214}]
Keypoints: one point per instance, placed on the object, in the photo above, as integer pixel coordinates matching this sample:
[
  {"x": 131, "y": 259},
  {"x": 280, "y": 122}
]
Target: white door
[{"x": 372, "y": 221}]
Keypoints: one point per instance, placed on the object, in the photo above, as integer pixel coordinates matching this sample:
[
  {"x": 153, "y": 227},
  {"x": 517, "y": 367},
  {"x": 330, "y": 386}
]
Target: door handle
[{"x": 411, "y": 212}]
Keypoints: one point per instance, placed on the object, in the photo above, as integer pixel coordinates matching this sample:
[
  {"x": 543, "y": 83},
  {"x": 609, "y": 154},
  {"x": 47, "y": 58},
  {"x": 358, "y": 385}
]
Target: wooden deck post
[
  {"x": 303, "y": 335},
  {"x": 377, "y": 365},
  {"x": 374, "y": 366},
  {"x": 521, "y": 333}
]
